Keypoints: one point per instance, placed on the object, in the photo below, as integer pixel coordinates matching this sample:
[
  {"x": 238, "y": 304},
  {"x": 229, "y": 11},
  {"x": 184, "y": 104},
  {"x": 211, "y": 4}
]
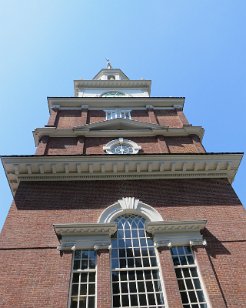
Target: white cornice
[
  {"x": 85, "y": 229},
  {"x": 84, "y": 236},
  {"x": 108, "y": 84},
  {"x": 177, "y": 233},
  {"x": 133, "y": 130},
  {"x": 175, "y": 226},
  {"x": 114, "y": 102},
  {"x": 119, "y": 167}
]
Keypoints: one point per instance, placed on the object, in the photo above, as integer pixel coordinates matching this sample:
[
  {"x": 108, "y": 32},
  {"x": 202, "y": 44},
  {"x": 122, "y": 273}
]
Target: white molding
[
  {"x": 175, "y": 226},
  {"x": 107, "y": 129},
  {"x": 177, "y": 233},
  {"x": 84, "y": 236},
  {"x": 118, "y": 102},
  {"x": 116, "y": 107},
  {"x": 119, "y": 167},
  {"x": 84, "y": 229},
  {"x": 107, "y": 84},
  {"x": 129, "y": 205}
]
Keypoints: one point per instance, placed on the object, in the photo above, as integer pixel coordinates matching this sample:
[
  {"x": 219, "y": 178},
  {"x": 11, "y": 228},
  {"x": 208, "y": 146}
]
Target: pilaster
[
  {"x": 169, "y": 277},
  {"x": 41, "y": 149},
  {"x": 103, "y": 278},
  {"x": 151, "y": 113},
  {"x": 84, "y": 114},
  {"x": 53, "y": 117}
]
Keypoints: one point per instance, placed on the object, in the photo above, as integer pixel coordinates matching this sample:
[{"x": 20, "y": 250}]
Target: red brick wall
[
  {"x": 69, "y": 119},
  {"x": 34, "y": 278},
  {"x": 140, "y": 115},
  {"x": 72, "y": 146},
  {"x": 96, "y": 116},
  {"x": 59, "y": 146},
  {"x": 168, "y": 118},
  {"x": 183, "y": 145},
  {"x": 28, "y": 233},
  {"x": 73, "y": 118}
]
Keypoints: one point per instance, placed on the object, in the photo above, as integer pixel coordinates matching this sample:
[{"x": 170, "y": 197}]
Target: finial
[{"x": 109, "y": 66}]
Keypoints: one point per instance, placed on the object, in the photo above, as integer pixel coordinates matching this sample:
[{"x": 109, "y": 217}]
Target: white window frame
[
  {"x": 201, "y": 303},
  {"x": 79, "y": 271},
  {"x": 118, "y": 114},
  {"x": 142, "y": 269}
]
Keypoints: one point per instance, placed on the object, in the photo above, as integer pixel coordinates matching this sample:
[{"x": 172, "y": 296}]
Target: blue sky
[{"x": 188, "y": 48}]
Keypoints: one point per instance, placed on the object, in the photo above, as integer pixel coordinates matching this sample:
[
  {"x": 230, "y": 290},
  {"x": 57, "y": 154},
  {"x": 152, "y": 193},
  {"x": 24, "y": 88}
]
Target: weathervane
[{"x": 109, "y": 66}]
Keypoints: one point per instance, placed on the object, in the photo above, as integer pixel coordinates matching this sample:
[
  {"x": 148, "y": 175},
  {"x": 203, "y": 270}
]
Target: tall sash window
[{"x": 135, "y": 273}]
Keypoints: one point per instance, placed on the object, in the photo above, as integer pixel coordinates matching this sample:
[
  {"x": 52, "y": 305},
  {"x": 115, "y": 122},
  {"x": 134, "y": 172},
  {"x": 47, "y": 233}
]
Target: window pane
[
  {"x": 116, "y": 301},
  {"x": 83, "y": 289},
  {"x": 91, "y": 302},
  {"x": 75, "y": 288},
  {"x": 134, "y": 300},
  {"x": 73, "y": 304}
]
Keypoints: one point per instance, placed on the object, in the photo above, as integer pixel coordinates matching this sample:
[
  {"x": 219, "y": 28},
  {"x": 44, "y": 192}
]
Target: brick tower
[{"x": 121, "y": 206}]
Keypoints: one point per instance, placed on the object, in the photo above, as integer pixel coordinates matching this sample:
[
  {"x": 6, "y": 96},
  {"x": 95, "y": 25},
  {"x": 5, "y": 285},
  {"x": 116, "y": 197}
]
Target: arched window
[{"x": 135, "y": 274}]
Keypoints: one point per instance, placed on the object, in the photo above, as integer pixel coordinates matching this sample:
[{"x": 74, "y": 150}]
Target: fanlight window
[
  {"x": 113, "y": 94},
  {"x": 135, "y": 273}
]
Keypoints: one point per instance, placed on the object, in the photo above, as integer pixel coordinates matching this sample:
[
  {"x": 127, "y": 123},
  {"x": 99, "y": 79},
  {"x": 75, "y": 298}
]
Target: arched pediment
[
  {"x": 117, "y": 124},
  {"x": 129, "y": 205}
]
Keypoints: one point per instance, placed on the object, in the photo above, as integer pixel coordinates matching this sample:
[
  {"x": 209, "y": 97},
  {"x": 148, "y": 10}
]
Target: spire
[{"x": 109, "y": 66}]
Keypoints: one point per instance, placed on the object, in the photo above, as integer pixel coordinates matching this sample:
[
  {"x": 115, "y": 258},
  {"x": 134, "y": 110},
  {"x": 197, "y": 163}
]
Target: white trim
[
  {"x": 126, "y": 206},
  {"x": 82, "y": 271},
  {"x": 84, "y": 236},
  {"x": 108, "y": 128},
  {"x": 177, "y": 233},
  {"x": 108, "y": 84},
  {"x": 119, "y": 102},
  {"x": 117, "y": 167},
  {"x": 97, "y": 108},
  {"x": 189, "y": 266}
]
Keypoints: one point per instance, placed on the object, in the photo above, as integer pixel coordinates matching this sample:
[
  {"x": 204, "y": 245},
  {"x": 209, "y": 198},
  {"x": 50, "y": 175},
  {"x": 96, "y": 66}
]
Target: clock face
[
  {"x": 113, "y": 94},
  {"x": 123, "y": 148}
]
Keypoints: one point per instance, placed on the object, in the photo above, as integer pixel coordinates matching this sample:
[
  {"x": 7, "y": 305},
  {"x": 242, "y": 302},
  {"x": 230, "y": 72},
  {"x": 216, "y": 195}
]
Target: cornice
[
  {"x": 135, "y": 130},
  {"x": 119, "y": 167},
  {"x": 85, "y": 229},
  {"x": 177, "y": 233},
  {"x": 84, "y": 236},
  {"x": 108, "y": 84},
  {"x": 114, "y": 102},
  {"x": 175, "y": 226}
]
